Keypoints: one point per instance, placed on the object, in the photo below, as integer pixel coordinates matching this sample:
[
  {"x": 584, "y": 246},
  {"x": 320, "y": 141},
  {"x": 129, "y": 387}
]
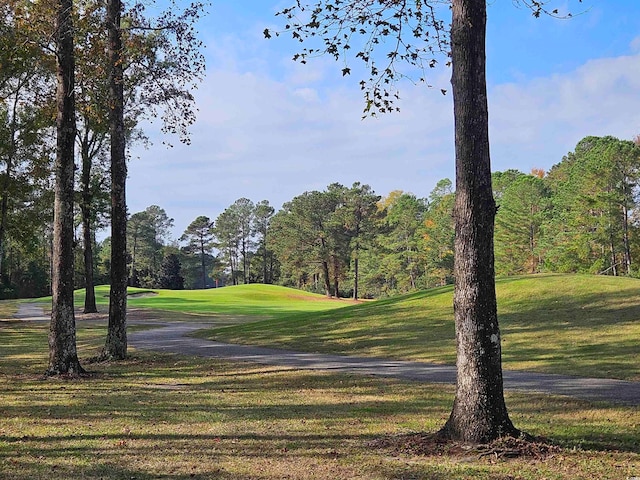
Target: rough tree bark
[
  {"x": 479, "y": 412},
  {"x": 63, "y": 356},
  {"x": 116, "y": 344},
  {"x": 85, "y": 206}
]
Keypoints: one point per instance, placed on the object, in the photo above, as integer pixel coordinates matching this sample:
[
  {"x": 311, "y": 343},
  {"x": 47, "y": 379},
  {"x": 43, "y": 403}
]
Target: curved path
[{"x": 173, "y": 338}]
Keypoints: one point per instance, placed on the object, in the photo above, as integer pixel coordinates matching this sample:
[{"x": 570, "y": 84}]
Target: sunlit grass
[
  {"x": 582, "y": 325},
  {"x": 161, "y": 416},
  {"x": 254, "y": 300},
  {"x": 573, "y": 324}
]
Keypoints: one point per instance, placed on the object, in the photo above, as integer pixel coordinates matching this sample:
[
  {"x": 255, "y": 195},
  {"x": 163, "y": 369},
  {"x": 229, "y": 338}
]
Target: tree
[
  {"x": 26, "y": 107},
  {"x": 244, "y": 211},
  {"x": 416, "y": 33},
  {"x": 141, "y": 234},
  {"x": 438, "y": 234},
  {"x": 303, "y": 239},
  {"x": 199, "y": 235},
  {"x": 147, "y": 233},
  {"x": 162, "y": 77},
  {"x": 593, "y": 195},
  {"x": 63, "y": 356},
  {"x": 261, "y": 223},
  {"x": 92, "y": 107},
  {"x": 359, "y": 214},
  {"x": 116, "y": 342},
  {"x": 160, "y": 64},
  {"x": 227, "y": 235},
  {"x": 403, "y": 263},
  {"x": 170, "y": 276},
  {"x": 524, "y": 208}
]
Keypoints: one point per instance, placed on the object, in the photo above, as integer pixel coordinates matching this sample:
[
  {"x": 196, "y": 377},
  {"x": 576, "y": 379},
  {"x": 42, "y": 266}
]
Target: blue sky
[{"x": 269, "y": 128}]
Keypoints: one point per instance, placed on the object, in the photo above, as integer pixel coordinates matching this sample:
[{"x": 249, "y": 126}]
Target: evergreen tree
[
  {"x": 170, "y": 276},
  {"x": 438, "y": 234},
  {"x": 261, "y": 229},
  {"x": 524, "y": 210},
  {"x": 402, "y": 263},
  {"x": 199, "y": 235}
]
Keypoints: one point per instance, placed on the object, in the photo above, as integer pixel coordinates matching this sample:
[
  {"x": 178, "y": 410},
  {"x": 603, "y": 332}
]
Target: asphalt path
[{"x": 174, "y": 338}]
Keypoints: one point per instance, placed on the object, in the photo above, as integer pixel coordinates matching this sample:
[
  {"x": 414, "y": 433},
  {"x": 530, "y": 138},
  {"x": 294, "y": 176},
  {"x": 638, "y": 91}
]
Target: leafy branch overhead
[
  {"x": 165, "y": 62},
  {"x": 408, "y": 33},
  {"x": 394, "y": 39}
]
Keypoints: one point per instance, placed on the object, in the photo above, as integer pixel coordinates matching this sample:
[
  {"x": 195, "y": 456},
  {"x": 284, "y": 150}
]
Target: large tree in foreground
[
  {"x": 63, "y": 356},
  {"x": 479, "y": 411},
  {"x": 415, "y": 34},
  {"x": 163, "y": 77},
  {"x": 116, "y": 343}
]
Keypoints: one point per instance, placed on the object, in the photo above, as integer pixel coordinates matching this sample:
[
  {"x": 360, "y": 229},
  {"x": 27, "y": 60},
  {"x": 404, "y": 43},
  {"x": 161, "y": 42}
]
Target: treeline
[{"x": 581, "y": 216}]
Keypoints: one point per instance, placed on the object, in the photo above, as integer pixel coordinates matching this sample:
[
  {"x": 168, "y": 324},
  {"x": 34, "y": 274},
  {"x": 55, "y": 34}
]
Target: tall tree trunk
[
  {"x": 479, "y": 412},
  {"x": 265, "y": 272},
  {"x": 203, "y": 266},
  {"x": 326, "y": 279},
  {"x": 625, "y": 227},
  {"x": 336, "y": 280},
  {"x": 132, "y": 268},
  {"x": 4, "y": 209},
  {"x": 90, "y": 292},
  {"x": 355, "y": 277},
  {"x": 612, "y": 252},
  {"x": 63, "y": 356},
  {"x": 116, "y": 344},
  {"x": 6, "y": 182},
  {"x": 244, "y": 261}
]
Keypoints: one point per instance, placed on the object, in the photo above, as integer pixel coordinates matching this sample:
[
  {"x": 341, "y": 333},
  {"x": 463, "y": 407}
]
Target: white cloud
[
  {"x": 260, "y": 138},
  {"x": 534, "y": 123}
]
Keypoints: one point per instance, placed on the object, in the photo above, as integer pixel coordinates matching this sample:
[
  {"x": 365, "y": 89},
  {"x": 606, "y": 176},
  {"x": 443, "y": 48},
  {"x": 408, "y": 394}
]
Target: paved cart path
[{"x": 173, "y": 337}]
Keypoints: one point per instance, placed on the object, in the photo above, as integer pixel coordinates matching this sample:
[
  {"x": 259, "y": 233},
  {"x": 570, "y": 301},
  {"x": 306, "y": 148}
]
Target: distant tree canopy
[{"x": 581, "y": 216}]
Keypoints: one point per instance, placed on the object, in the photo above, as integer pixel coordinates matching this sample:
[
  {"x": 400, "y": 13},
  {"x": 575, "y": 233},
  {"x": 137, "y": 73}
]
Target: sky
[{"x": 270, "y": 129}]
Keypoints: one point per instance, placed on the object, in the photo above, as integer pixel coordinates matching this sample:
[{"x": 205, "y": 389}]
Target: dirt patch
[{"x": 433, "y": 445}]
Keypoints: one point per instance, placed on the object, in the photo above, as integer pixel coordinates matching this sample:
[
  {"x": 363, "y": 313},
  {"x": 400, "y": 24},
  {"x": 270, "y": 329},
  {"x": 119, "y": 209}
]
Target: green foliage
[
  {"x": 199, "y": 235},
  {"x": 593, "y": 195},
  {"x": 263, "y": 214},
  {"x": 26, "y": 151},
  {"x": 524, "y": 209},
  {"x": 439, "y": 234},
  {"x": 170, "y": 276},
  {"x": 402, "y": 263},
  {"x": 319, "y": 237},
  {"x": 147, "y": 233}
]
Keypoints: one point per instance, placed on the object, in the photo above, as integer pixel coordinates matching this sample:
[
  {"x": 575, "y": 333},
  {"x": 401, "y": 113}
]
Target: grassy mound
[
  {"x": 571, "y": 324},
  {"x": 255, "y": 300}
]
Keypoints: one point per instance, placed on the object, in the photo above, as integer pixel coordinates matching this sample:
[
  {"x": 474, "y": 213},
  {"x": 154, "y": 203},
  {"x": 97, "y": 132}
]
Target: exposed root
[{"x": 432, "y": 444}]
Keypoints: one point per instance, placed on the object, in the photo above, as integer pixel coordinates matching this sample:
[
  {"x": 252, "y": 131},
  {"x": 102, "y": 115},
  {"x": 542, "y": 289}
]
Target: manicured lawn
[
  {"x": 571, "y": 324},
  {"x": 169, "y": 417},
  {"x": 583, "y": 325},
  {"x": 255, "y": 301}
]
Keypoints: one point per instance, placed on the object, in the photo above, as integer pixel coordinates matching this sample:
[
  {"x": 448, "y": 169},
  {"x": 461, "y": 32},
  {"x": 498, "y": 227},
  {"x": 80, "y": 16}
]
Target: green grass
[
  {"x": 169, "y": 417},
  {"x": 581, "y": 325},
  {"x": 255, "y": 300}
]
